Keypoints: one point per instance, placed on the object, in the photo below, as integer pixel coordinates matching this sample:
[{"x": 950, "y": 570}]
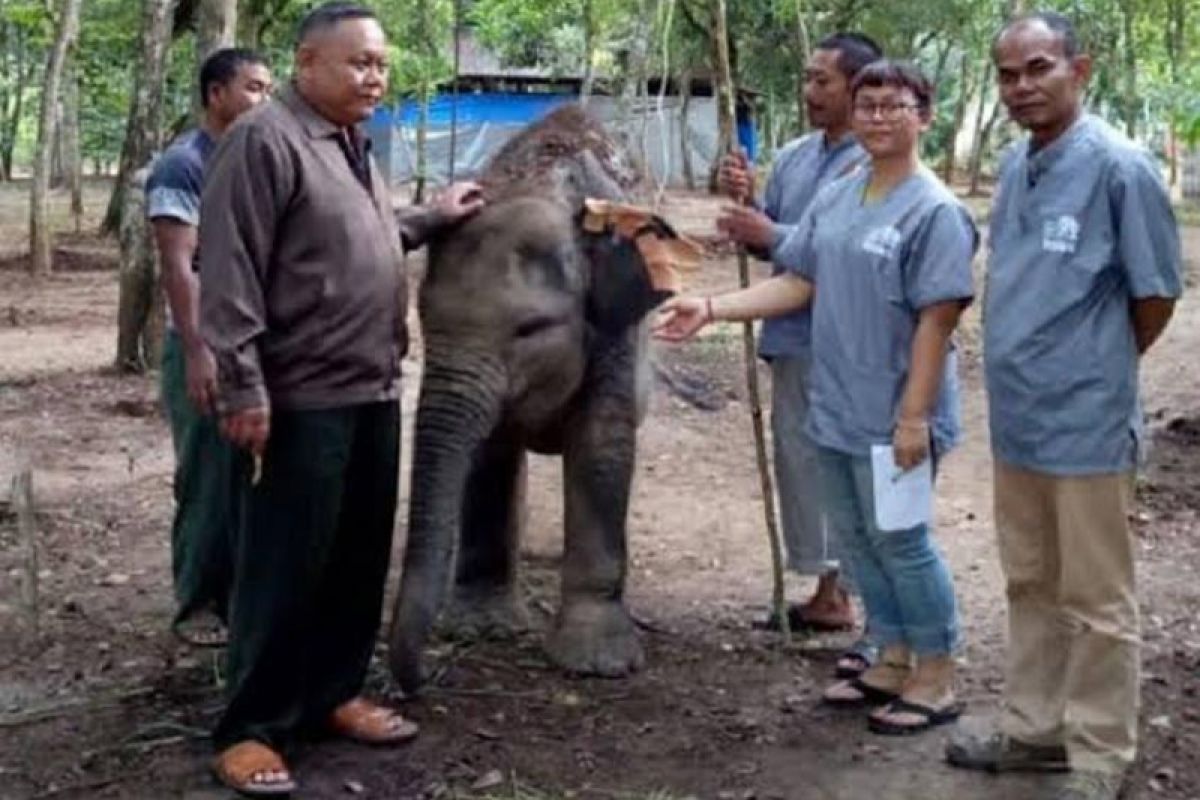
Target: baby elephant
[{"x": 533, "y": 315}]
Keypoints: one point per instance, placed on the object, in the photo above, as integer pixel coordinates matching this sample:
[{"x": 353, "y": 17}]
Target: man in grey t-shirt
[{"x": 1082, "y": 276}]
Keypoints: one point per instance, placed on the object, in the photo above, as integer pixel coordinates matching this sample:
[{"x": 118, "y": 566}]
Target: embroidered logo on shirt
[
  {"x": 1060, "y": 234},
  {"x": 883, "y": 241}
]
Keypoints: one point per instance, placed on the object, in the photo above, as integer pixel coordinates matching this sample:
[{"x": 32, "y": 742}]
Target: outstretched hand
[
  {"x": 681, "y": 318},
  {"x": 459, "y": 200}
]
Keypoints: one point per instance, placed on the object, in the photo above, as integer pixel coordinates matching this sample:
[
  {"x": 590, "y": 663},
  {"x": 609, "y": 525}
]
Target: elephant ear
[{"x": 636, "y": 259}]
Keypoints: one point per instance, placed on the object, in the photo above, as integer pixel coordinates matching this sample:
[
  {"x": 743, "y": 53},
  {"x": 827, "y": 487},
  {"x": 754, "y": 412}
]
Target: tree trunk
[
  {"x": 589, "y": 54},
  {"x": 9, "y": 65},
  {"x": 56, "y": 147},
  {"x": 66, "y": 27},
  {"x": 139, "y": 309},
  {"x": 641, "y": 95},
  {"x": 965, "y": 89},
  {"x": 72, "y": 153},
  {"x": 458, "y": 19},
  {"x": 664, "y": 123},
  {"x": 216, "y": 27},
  {"x": 981, "y": 144},
  {"x": 12, "y": 124},
  {"x": 978, "y": 139},
  {"x": 1131, "y": 99},
  {"x": 143, "y": 128},
  {"x": 685, "y": 145},
  {"x": 1176, "y": 42},
  {"x": 139, "y": 304},
  {"x": 723, "y": 77},
  {"x": 804, "y": 51}
]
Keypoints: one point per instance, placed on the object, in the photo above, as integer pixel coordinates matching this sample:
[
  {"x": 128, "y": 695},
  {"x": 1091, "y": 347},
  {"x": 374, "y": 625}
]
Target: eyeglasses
[{"x": 889, "y": 112}]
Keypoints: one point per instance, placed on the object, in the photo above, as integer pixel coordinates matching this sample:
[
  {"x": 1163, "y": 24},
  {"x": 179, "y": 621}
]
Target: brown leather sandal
[
  {"x": 243, "y": 766},
  {"x": 362, "y": 721}
]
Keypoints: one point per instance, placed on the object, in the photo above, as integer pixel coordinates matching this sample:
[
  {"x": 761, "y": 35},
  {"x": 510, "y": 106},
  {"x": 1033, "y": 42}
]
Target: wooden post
[
  {"x": 454, "y": 90},
  {"x": 22, "y": 503},
  {"x": 778, "y": 599}
]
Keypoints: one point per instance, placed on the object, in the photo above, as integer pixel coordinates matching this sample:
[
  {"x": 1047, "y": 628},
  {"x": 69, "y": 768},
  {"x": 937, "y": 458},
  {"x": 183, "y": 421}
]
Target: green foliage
[
  {"x": 104, "y": 59},
  {"x": 555, "y": 34}
]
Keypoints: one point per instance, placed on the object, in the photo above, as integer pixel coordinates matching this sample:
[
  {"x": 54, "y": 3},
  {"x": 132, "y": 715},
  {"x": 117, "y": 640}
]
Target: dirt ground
[{"x": 103, "y": 703}]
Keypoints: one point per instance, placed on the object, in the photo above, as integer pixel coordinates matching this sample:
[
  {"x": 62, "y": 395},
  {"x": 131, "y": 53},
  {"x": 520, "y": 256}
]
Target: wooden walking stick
[{"x": 778, "y": 600}]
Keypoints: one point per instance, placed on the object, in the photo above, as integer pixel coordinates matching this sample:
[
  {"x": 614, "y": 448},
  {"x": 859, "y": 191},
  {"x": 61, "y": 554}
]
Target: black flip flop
[
  {"x": 798, "y": 623},
  {"x": 862, "y": 664},
  {"x": 869, "y": 696},
  {"x": 933, "y": 717}
]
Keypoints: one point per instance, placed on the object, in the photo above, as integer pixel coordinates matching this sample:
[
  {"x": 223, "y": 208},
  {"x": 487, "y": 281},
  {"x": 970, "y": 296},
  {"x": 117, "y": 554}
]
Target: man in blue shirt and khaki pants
[{"x": 1082, "y": 278}]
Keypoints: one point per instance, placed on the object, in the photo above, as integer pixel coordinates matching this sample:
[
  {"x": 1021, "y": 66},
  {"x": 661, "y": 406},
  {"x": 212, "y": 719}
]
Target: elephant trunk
[{"x": 458, "y": 407}]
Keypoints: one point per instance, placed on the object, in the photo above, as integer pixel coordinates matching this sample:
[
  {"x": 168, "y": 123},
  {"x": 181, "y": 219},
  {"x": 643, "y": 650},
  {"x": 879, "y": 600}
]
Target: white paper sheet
[{"x": 903, "y": 500}]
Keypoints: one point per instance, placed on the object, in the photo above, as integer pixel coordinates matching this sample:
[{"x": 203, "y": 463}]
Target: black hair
[
  {"x": 1059, "y": 24},
  {"x": 900, "y": 75},
  {"x": 328, "y": 15},
  {"x": 222, "y": 66},
  {"x": 855, "y": 51}
]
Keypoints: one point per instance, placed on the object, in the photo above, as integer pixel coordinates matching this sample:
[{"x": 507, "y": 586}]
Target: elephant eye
[{"x": 535, "y": 325}]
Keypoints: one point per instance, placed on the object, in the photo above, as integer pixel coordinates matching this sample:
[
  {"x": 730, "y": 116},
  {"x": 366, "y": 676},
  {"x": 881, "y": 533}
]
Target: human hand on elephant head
[
  {"x": 682, "y": 317},
  {"x": 458, "y": 201}
]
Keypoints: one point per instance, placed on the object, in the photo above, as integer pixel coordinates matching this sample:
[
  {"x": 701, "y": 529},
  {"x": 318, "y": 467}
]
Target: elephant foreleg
[
  {"x": 593, "y": 633},
  {"x": 486, "y": 601}
]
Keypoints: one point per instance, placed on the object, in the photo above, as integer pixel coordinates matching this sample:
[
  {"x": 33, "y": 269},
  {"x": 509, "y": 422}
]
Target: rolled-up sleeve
[
  {"x": 246, "y": 191},
  {"x": 417, "y": 224},
  {"x": 173, "y": 188},
  {"x": 1147, "y": 236}
]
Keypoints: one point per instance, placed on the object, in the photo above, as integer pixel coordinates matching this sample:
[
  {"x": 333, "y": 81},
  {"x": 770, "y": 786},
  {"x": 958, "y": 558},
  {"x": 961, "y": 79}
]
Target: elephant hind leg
[{"x": 486, "y": 602}]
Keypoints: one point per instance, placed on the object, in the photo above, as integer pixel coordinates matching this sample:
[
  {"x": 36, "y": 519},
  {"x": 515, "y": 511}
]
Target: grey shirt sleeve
[
  {"x": 1147, "y": 236},
  {"x": 246, "y": 192},
  {"x": 173, "y": 188},
  {"x": 795, "y": 252},
  {"x": 772, "y": 200},
  {"x": 938, "y": 264}
]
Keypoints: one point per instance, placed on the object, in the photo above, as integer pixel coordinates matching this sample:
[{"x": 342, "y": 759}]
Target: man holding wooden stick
[{"x": 802, "y": 168}]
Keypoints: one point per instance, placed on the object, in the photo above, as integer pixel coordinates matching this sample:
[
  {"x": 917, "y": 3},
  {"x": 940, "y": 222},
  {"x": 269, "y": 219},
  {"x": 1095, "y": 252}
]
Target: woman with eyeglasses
[{"x": 884, "y": 257}]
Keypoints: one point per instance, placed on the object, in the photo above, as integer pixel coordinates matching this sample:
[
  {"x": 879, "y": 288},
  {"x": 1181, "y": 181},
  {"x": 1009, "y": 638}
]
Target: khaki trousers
[{"x": 1073, "y": 664}]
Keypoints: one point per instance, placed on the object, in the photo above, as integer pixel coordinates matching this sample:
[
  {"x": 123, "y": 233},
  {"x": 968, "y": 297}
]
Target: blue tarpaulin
[{"x": 485, "y": 120}]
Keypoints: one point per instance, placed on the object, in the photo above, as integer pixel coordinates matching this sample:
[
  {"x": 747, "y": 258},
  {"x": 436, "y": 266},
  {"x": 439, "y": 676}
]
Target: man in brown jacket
[{"x": 303, "y": 305}]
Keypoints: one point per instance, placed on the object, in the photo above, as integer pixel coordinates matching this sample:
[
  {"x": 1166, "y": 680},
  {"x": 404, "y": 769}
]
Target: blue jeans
[{"x": 902, "y": 576}]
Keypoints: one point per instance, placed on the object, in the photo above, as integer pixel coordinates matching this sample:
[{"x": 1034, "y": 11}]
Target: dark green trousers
[
  {"x": 205, "y": 512},
  {"x": 309, "y": 570}
]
